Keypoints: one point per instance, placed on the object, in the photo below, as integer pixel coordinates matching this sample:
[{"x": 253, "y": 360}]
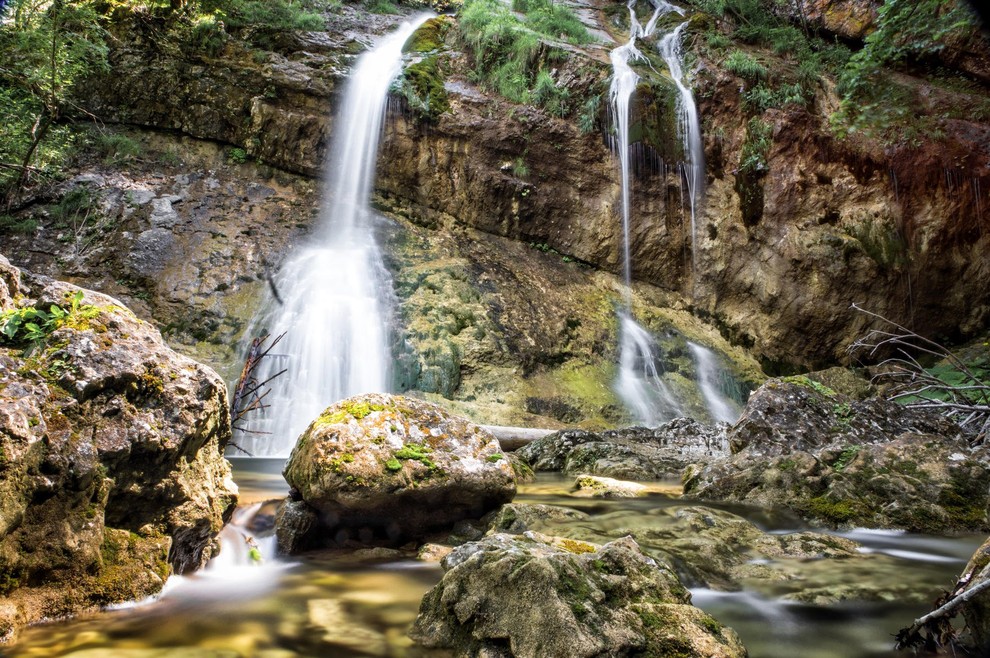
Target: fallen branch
[
  {"x": 967, "y": 401},
  {"x": 911, "y": 636}
]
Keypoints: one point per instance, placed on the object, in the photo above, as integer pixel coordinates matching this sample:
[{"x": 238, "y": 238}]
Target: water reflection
[{"x": 343, "y": 604}]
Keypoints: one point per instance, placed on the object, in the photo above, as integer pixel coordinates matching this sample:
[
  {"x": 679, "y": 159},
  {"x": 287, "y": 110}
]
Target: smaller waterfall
[
  {"x": 639, "y": 384},
  {"x": 688, "y": 126},
  {"x": 710, "y": 377}
]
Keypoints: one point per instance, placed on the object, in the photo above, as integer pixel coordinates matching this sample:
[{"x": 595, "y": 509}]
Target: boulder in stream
[
  {"x": 534, "y": 596},
  {"x": 389, "y": 467},
  {"x": 112, "y": 473},
  {"x": 838, "y": 461},
  {"x": 633, "y": 453}
]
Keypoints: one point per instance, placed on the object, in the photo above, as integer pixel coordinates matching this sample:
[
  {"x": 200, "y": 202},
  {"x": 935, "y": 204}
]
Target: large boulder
[
  {"x": 838, "y": 461},
  {"x": 534, "y": 596},
  {"x": 389, "y": 467},
  {"x": 634, "y": 453},
  {"x": 112, "y": 473}
]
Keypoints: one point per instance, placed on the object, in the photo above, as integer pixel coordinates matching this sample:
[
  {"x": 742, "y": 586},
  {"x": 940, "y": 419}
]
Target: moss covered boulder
[
  {"x": 389, "y": 467},
  {"x": 839, "y": 461},
  {"x": 112, "y": 473},
  {"x": 535, "y": 596}
]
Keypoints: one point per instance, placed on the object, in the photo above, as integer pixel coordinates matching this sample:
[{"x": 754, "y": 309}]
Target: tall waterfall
[
  {"x": 639, "y": 384},
  {"x": 335, "y": 289},
  {"x": 688, "y": 126}
]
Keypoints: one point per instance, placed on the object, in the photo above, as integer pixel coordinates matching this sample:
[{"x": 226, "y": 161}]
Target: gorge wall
[{"x": 782, "y": 249}]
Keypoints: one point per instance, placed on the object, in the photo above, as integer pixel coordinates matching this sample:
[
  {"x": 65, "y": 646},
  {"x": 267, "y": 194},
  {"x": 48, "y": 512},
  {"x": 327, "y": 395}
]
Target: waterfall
[
  {"x": 688, "y": 126},
  {"x": 335, "y": 290},
  {"x": 710, "y": 377},
  {"x": 639, "y": 384}
]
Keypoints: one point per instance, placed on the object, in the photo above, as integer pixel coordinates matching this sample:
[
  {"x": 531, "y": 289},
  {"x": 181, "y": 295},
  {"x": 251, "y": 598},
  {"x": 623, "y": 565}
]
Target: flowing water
[
  {"x": 688, "y": 127},
  {"x": 349, "y": 604},
  {"x": 714, "y": 381},
  {"x": 335, "y": 290}
]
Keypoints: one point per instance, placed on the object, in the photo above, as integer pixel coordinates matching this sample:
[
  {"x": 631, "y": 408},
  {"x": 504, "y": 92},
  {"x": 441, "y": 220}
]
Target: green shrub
[
  {"x": 115, "y": 148},
  {"x": 745, "y": 66},
  {"x": 510, "y": 53},
  {"x": 11, "y": 224},
  {"x": 237, "y": 155},
  {"x": 756, "y": 148},
  {"x": 588, "y": 118}
]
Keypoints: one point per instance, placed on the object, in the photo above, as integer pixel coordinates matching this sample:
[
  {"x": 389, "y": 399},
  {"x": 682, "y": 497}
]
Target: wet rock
[
  {"x": 592, "y": 601},
  {"x": 400, "y": 467},
  {"x": 634, "y": 453},
  {"x": 517, "y": 518},
  {"x": 719, "y": 550},
  {"x": 330, "y": 619},
  {"x": 592, "y": 486},
  {"x": 113, "y": 473},
  {"x": 838, "y": 461}
]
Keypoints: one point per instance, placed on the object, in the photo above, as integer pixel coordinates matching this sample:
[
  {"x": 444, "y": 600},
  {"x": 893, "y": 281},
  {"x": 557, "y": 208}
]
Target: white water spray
[
  {"x": 688, "y": 126},
  {"x": 639, "y": 384},
  {"x": 336, "y": 290},
  {"x": 708, "y": 374}
]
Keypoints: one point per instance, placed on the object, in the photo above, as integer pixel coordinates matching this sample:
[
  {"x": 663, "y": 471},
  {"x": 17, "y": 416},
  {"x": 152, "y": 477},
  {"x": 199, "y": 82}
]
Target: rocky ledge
[
  {"x": 112, "y": 473},
  {"x": 839, "y": 461}
]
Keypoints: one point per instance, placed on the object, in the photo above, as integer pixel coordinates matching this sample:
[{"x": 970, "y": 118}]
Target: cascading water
[
  {"x": 336, "y": 290},
  {"x": 639, "y": 384},
  {"x": 688, "y": 126},
  {"x": 709, "y": 376}
]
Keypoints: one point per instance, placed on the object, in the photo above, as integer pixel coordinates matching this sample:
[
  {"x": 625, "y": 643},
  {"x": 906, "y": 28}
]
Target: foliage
[
  {"x": 762, "y": 23},
  {"x": 49, "y": 47},
  {"x": 588, "y": 117},
  {"x": 237, "y": 155},
  {"x": 31, "y": 326},
  {"x": 759, "y": 139},
  {"x": 115, "y": 148},
  {"x": 510, "y": 53},
  {"x": 907, "y": 32}
]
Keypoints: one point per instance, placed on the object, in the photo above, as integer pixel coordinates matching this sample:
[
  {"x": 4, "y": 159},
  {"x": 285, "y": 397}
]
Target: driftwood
[{"x": 249, "y": 394}]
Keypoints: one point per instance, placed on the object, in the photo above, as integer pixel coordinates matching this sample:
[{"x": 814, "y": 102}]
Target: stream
[{"x": 335, "y": 603}]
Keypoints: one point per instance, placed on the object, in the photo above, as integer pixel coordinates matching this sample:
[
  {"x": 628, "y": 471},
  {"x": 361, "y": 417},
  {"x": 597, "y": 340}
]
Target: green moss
[
  {"x": 424, "y": 89},
  {"x": 332, "y": 418},
  {"x": 845, "y": 458},
  {"x": 416, "y": 452},
  {"x": 393, "y": 465},
  {"x": 361, "y": 409},
  {"x": 429, "y": 37},
  {"x": 833, "y": 511},
  {"x": 497, "y": 457},
  {"x": 807, "y": 382}
]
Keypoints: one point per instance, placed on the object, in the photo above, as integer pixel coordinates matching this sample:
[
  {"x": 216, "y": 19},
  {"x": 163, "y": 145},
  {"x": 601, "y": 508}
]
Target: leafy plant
[
  {"x": 31, "y": 325},
  {"x": 237, "y": 155}
]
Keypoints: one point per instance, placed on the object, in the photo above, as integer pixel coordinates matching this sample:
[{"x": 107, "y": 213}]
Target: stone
[
  {"x": 113, "y": 475},
  {"x": 841, "y": 462},
  {"x": 593, "y": 486},
  {"x": 517, "y": 518},
  {"x": 401, "y": 467},
  {"x": 591, "y": 601},
  {"x": 634, "y": 453}
]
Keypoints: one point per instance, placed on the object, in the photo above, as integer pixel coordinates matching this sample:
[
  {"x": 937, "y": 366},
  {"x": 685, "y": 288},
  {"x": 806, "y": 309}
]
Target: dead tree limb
[
  {"x": 912, "y": 637},
  {"x": 966, "y": 400},
  {"x": 249, "y": 394}
]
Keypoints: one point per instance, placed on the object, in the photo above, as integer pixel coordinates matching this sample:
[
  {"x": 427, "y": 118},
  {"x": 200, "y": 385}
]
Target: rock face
[
  {"x": 634, "y": 453},
  {"x": 378, "y": 466},
  {"x": 112, "y": 474},
  {"x": 839, "y": 461},
  {"x": 592, "y": 600}
]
